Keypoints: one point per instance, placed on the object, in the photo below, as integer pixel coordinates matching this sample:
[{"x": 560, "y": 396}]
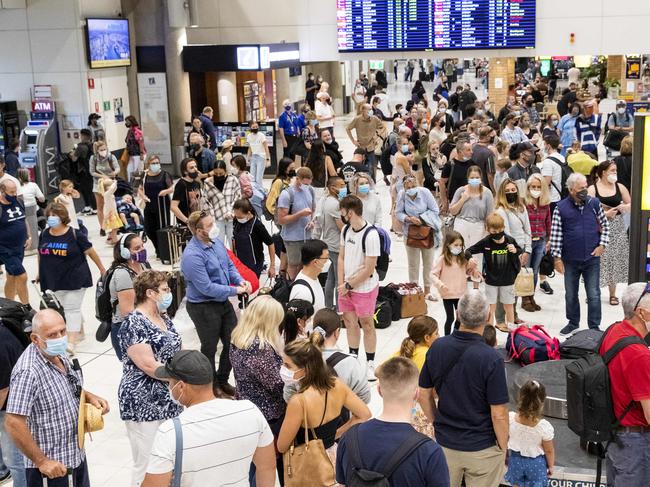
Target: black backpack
[
  {"x": 282, "y": 290},
  {"x": 104, "y": 308},
  {"x": 590, "y": 411},
  {"x": 581, "y": 343},
  {"x": 17, "y": 318},
  {"x": 383, "y": 260},
  {"x": 361, "y": 477},
  {"x": 566, "y": 172}
]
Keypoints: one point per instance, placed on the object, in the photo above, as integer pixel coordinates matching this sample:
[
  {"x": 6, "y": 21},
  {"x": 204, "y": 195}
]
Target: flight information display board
[{"x": 414, "y": 25}]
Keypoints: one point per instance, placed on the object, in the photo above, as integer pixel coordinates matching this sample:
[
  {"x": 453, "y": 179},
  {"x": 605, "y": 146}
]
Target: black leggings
[{"x": 450, "y": 309}]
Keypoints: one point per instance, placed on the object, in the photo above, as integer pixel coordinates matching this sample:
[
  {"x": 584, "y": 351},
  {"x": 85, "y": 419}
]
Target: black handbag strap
[{"x": 453, "y": 364}]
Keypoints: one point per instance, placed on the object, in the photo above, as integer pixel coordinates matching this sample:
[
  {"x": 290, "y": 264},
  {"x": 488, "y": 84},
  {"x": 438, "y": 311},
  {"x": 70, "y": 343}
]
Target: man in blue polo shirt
[
  {"x": 289, "y": 128},
  {"x": 471, "y": 419},
  {"x": 211, "y": 279}
]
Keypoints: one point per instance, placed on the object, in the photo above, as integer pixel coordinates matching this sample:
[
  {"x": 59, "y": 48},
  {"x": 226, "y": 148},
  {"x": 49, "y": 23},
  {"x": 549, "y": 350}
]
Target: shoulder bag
[
  {"x": 308, "y": 464},
  {"x": 420, "y": 237}
]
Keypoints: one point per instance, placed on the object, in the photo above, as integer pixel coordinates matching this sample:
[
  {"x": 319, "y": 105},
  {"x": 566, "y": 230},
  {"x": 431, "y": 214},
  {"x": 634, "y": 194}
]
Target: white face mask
[
  {"x": 103, "y": 153},
  {"x": 535, "y": 194},
  {"x": 612, "y": 178},
  {"x": 287, "y": 376},
  {"x": 171, "y": 395},
  {"x": 621, "y": 110},
  {"x": 213, "y": 233},
  {"x": 326, "y": 266},
  {"x": 455, "y": 250},
  {"x": 242, "y": 220}
]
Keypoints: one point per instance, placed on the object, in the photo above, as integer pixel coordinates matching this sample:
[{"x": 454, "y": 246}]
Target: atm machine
[
  {"x": 39, "y": 148},
  {"x": 640, "y": 215},
  {"x": 9, "y": 124}
]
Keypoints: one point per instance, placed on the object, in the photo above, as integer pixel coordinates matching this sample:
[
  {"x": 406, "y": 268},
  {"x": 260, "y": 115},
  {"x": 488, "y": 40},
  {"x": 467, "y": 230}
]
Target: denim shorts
[
  {"x": 526, "y": 471},
  {"x": 13, "y": 260}
]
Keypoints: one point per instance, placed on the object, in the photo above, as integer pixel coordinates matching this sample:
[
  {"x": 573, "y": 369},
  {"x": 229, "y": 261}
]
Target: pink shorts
[{"x": 362, "y": 304}]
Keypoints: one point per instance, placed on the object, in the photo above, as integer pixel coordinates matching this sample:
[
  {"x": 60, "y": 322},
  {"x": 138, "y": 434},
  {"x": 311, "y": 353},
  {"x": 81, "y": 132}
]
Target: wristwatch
[{"x": 348, "y": 287}]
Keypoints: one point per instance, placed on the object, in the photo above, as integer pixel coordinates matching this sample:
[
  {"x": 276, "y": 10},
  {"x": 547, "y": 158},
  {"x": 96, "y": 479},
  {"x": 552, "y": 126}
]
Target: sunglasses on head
[{"x": 645, "y": 291}]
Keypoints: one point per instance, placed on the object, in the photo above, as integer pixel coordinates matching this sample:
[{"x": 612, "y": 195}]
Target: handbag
[
  {"x": 413, "y": 302},
  {"x": 103, "y": 330},
  {"x": 420, "y": 237},
  {"x": 124, "y": 161},
  {"x": 308, "y": 464},
  {"x": 613, "y": 139},
  {"x": 525, "y": 283}
]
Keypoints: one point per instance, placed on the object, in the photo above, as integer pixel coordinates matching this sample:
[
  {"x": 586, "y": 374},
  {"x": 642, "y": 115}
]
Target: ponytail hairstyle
[
  {"x": 307, "y": 354},
  {"x": 297, "y": 309},
  {"x": 530, "y": 404},
  {"x": 598, "y": 170},
  {"x": 418, "y": 328}
]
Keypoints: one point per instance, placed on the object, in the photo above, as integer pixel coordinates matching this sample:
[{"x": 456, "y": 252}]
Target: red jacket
[{"x": 245, "y": 273}]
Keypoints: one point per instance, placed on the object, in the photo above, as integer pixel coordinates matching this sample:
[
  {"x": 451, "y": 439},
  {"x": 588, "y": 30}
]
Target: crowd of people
[{"x": 474, "y": 198}]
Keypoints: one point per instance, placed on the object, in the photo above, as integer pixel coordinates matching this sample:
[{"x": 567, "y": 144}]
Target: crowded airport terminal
[{"x": 303, "y": 243}]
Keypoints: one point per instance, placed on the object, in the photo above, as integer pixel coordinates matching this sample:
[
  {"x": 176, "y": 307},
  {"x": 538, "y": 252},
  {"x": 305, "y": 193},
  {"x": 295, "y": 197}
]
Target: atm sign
[{"x": 42, "y": 106}]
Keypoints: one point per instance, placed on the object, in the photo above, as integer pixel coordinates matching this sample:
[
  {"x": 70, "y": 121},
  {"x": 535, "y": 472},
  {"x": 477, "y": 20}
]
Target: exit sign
[{"x": 42, "y": 106}]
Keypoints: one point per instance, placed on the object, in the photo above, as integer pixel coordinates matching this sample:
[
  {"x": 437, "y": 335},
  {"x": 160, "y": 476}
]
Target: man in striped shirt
[{"x": 579, "y": 235}]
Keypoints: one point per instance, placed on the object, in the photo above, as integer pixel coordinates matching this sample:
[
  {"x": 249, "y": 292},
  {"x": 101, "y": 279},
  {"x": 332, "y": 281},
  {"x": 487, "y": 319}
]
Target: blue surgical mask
[
  {"x": 53, "y": 221},
  {"x": 405, "y": 149},
  {"x": 313, "y": 123},
  {"x": 56, "y": 346},
  {"x": 154, "y": 168},
  {"x": 364, "y": 188},
  {"x": 165, "y": 301},
  {"x": 343, "y": 192},
  {"x": 412, "y": 192},
  {"x": 474, "y": 181}
]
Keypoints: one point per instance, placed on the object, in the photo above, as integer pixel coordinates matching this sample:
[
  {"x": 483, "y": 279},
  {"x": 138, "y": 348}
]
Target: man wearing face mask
[
  {"x": 315, "y": 260},
  {"x": 629, "y": 374},
  {"x": 228, "y": 427},
  {"x": 620, "y": 121},
  {"x": 579, "y": 235},
  {"x": 454, "y": 173},
  {"x": 14, "y": 239},
  {"x": 512, "y": 133},
  {"x": 288, "y": 127},
  {"x": 589, "y": 127},
  {"x": 523, "y": 155},
  {"x": 367, "y": 128},
  {"x": 529, "y": 108},
  {"x": 44, "y": 380},
  {"x": 483, "y": 155},
  {"x": 331, "y": 226},
  {"x": 187, "y": 191},
  {"x": 204, "y": 157},
  {"x": 211, "y": 279}
]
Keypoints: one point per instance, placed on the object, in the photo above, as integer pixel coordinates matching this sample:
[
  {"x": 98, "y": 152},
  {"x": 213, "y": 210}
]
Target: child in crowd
[
  {"x": 422, "y": 332},
  {"x": 501, "y": 263},
  {"x": 112, "y": 220},
  {"x": 501, "y": 169},
  {"x": 67, "y": 195},
  {"x": 249, "y": 237},
  {"x": 297, "y": 320},
  {"x": 449, "y": 275},
  {"x": 503, "y": 149},
  {"x": 490, "y": 335},
  {"x": 239, "y": 169},
  {"x": 530, "y": 446},
  {"x": 129, "y": 213}
]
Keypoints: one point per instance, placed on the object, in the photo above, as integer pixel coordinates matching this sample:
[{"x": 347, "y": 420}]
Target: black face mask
[
  {"x": 345, "y": 220},
  {"x": 291, "y": 173},
  {"x": 442, "y": 124},
  {"x": 529, "y": 103},
  {"x": 497, "y": 236},
  {"x": 512, "y": 197},
  {"x": 193, "y": 174},
  {"x": 254, "y": 130},
  {"x": 492, "y": 140},
  {"x": 582, "y": 195},
  {"x": 219, "y": 179},
  {"x": 195, "y": 147}
]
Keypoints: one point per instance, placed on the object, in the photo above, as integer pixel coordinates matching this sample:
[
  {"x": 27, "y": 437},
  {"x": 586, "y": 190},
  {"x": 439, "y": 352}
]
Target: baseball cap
[{"x": 189, "y": 366}]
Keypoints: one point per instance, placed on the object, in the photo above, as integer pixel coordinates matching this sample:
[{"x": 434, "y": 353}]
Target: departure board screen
[{"x": 414, "y": 25}]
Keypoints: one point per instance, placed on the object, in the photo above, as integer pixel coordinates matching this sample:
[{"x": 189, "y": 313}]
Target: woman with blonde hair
[
  {"x": 538, "y": 201},
  {"x": 364, "y": 187},
  {"x": 255, "y": 354},
  {"x": 102, "y": 164}
]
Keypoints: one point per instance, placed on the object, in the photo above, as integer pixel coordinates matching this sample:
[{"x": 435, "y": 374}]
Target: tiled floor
[{"x": 109, "y": 454}]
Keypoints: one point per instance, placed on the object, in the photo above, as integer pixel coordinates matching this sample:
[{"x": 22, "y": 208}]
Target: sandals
[
  {"x": 502, "y": 327},
  {"x": 613, "y": 300}
]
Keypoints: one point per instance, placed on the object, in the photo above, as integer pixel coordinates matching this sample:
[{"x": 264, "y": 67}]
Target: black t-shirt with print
[{"x": 188, "y": 194}]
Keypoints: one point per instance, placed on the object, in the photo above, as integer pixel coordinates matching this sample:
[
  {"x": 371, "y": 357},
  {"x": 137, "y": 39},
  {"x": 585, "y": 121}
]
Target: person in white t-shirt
[
  {"x": 551, "y": 168},
  {"x": 220, "y": 437},
  {"x": 358, "y": 280},
  {"x": 31, "y": 194},
  {"x": 258, "y": 154},
  {"x": 315, "y": 260},
  {"x": 324, "y": 111}
]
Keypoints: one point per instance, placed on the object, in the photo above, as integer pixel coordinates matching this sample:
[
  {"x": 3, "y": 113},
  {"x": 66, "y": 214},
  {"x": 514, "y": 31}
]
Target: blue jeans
[
  {"x": 257, "y": 168},
  {"x": 79, "y": 478},
  {"x": 539, "y": 249},
  {"x": 115, "y": 329},
  {"x": 590, "y": 271},
  {"x": 371, "y": 159},
  {"x": 628, "y": 460},
  {"x": 11, "y": 455}
]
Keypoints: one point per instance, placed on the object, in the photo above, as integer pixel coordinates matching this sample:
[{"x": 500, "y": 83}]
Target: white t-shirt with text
[{"x": 355, "y": 258}]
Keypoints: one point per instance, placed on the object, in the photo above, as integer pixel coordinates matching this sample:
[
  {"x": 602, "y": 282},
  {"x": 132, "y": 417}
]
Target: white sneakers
[{"x": 370, "y": 367}]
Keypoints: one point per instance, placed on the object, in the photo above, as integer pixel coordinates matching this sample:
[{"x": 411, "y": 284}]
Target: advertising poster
[
  {"x": 118, "y": 109},
  {"x": 633, "y": 68},
  {"x": 154, "y": 114}
]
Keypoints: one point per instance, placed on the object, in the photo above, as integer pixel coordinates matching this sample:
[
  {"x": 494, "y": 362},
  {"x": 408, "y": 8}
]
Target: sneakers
[
  {"x": 546, "y": 287},
  {"x": 6, "y": 478},
  {"x": 568, "y": 329},
  {"x": 371, "y": 371}
]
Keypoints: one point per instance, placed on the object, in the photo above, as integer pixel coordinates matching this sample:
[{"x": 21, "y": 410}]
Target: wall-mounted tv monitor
[
  {"x": 108, "y": 43},
  {"x": 399, "y": 25}
]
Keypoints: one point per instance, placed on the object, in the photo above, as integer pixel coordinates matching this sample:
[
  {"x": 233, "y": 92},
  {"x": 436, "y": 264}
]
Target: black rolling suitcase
[
  {"x": 169, "y": 238},
  {"x": 49, "y": 300}
]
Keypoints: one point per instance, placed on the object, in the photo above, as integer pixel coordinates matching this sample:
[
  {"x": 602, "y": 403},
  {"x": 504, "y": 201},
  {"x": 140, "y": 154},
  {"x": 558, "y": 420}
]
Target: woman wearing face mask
[
  {"x": 437, "y": 132},
  {"x": 148, "y": 340},
  {"x": 155, "y": 189},
  {"x": 197, "y": 128},
  {"x": 420, "y": 140},
  {"x": 258, "y": 153},
  {"x": 249, "y": 237},
  {"x": 321, "y": 166},
  {"x": 66, "y": 272},
  {"x": 401, "y": 168},
  {"x": 615, "y": 199},
  {"x": 321, "y": 398},
  {"x": 96, "y": 127},
  {"x": 567, "y": 127},
  {"x": 551, "y": 126},
  {"x": 219, "y": 193},
  {"x": 528, "y": 128},
  {"x": 510, "y": 206},
  {"x": 416, "y": 206},
  {"x": 129, "y": 260},
  {"x": 432, "y": 167},
  {"x": 471, "y": 205},
  {"x": 134, "y": 146},
  {"x": 308, "y": 135},
  {"x": 102, "y": 164},
  {"x": 256, "y": 357},
  {"x": 297, "y": 320},
  {"x": 364, "y": 187},
  {"x": 538, "y": 200}
]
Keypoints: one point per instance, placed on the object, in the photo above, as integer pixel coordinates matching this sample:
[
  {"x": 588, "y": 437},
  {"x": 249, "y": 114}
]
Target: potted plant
[{"x": 613, "y": 87}]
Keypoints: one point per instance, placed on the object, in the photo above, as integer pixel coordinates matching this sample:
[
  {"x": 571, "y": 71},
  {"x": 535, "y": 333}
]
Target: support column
[
  {"x": 227, "y": 92},
  {"x": 616, "y": 69},
  {"x": 282, "y": 86},
  {"x": 502, "y": 72}
]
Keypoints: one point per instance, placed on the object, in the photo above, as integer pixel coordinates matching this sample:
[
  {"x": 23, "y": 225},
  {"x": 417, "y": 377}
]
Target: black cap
[{"x": 189, "y": 366}]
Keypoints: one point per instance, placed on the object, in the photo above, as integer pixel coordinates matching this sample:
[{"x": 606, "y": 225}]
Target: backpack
[
  {"x": 384, "y": 244},
  {"x": 258, "y": 200},
  {"x": 384, "y": 158},
  {"x": 580, "y": 344},
  {"x": 590, "y": 410},
  {"x": 532, "y": 345},
  {"x": 566, "y": 172},
  {"x": 17, "y": 318},
  {"x": 282, "y": 290},
  {"x": 360, "y": 477},
  {"x": 383, "y": 316},
  {"x": 104, "y": 308}
]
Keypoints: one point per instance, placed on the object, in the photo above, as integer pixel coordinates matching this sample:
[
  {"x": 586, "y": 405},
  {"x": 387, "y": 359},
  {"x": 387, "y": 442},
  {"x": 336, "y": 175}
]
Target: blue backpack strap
[{"x": 178, "y": 460}]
